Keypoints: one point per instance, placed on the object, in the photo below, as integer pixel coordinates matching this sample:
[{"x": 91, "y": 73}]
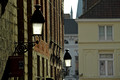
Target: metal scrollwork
[{"x": 22, "y": 47}]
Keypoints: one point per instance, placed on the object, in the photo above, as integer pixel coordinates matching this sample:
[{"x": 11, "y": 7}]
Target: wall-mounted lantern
[
  {"x": 37, "y": 27},
  {"x": 67, "y": 59},
  {"x": 37, "y": 21}
]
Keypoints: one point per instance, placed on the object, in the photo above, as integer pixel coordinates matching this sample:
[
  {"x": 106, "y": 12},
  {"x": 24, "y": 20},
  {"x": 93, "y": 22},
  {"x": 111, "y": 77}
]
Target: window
[
  {"x": 76, "y": 72},
  {"x": 43, "y": 67},
  {"x": 66, "y": 42},
  {"x": 76, "y": 58},
  {"x": 51, "y": 71},
  {"x": 106, "y": 64},
  {"x": 105, "y": 33},
  {"x": 76, "y": 42},
  {"x": 46, "y": 25},
  {"x": 55, "y": 73},
  {"x": 38, "y": 67},
  {"x": 76, "y": 65},
  {"x": 46, "y": 67}
]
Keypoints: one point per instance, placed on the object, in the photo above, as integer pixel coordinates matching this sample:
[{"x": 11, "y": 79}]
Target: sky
[{"x": 67, "y": 7}]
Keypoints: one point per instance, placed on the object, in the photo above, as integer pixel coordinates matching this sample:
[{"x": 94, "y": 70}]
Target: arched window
[
  {"x": 66, "y": 42},
  {"x": 76, "y": 42}
]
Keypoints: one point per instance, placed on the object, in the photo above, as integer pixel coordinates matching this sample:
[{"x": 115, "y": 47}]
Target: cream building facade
[
  {"x": 99, "y": 41},
  {"x": 99, "y": 49}
]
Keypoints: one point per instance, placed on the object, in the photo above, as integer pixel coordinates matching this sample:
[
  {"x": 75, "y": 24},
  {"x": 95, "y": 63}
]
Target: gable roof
[
  {"x": 70, "y": 26},
  {"x": 103, "y": 9}
]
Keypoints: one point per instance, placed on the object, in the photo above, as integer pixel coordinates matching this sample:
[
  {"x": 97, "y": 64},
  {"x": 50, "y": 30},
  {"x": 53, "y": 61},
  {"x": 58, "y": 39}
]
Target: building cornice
[
  {"x": 99, "y": 42},
  {"x": 98, "y": 20}
]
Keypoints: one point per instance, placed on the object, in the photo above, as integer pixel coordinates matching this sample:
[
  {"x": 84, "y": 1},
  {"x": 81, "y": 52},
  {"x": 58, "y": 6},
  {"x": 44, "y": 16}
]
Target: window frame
[
  {"x": 105, "y": 30},
  {"x": 106, "y": 61}
]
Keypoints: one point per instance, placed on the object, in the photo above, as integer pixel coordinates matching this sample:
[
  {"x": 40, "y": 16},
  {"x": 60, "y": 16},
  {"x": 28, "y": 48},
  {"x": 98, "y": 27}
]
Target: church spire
[{"x": 71, "y": 13}]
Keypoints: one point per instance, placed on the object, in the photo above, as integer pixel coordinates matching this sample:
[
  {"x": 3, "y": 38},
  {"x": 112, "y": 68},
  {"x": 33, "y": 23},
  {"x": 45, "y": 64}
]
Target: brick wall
[{"x": 52, "y": 32}]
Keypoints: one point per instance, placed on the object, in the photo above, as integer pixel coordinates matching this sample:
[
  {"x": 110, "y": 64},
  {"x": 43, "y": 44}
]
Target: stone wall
[
  {"x": 8, "y": 31},
  {"x": 14, "y": 27}
]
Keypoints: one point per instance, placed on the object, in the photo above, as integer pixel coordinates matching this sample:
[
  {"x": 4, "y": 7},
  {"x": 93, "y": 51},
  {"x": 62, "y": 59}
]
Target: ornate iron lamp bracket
[{"x": 22, "y": 47}]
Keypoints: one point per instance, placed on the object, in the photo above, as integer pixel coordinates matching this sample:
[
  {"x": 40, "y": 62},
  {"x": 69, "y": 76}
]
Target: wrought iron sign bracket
[{"x": 23, "y": 47}]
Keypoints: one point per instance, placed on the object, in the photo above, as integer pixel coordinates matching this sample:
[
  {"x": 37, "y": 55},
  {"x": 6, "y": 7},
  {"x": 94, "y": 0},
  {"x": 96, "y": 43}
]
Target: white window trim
[
  {"x": 106, "y": 33},
  {"x": 106, "y": 60}
]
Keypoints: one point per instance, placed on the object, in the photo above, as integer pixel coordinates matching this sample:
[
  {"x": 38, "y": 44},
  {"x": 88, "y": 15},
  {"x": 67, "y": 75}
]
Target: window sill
[
  {"x": 105, "y": 40},
  {"x": 106, "y": 76}
]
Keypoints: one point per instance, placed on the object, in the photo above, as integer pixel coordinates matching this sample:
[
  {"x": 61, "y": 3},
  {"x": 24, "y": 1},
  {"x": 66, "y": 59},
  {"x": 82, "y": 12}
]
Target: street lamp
[
  {"x": 37, "y": 21},
  {"x": 67, "y": 59}
]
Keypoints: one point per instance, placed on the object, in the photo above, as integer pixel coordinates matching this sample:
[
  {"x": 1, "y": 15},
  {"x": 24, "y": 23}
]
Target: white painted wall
[{"x": 73, "y": 50}]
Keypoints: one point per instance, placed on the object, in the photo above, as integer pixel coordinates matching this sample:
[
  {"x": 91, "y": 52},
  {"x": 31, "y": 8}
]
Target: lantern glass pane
[
  {"x": 67, "y": 63},
  {"x": 37, "y": 28}
]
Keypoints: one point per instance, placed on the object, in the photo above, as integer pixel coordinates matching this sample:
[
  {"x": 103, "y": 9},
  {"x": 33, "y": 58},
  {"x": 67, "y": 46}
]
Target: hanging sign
[{"x": 16, "y": 66}]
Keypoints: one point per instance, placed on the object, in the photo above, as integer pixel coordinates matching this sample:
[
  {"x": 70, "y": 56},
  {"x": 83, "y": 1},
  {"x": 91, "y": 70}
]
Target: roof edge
[{"x": 97, "y": 20}]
